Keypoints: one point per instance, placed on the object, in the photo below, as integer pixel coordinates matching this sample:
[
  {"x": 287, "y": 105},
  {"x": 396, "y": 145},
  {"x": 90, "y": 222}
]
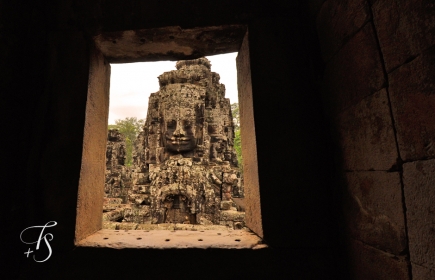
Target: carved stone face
[{"x": 179, "y": 135}]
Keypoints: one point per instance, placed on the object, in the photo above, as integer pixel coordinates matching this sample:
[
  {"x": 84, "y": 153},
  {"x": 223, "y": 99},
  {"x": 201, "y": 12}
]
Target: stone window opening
[{"x": 128, "y": 46}]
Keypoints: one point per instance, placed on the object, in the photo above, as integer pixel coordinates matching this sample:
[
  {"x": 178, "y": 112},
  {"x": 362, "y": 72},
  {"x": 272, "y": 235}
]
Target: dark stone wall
[
  {"x": 45, "y": 49},
  {"x": 378, "y": 95}
]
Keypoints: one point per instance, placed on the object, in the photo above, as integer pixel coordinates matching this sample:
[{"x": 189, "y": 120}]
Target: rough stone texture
[
  {"x": 374, "y": 211},
  {"x": 184, "y": 160},
  {"x": 412, "y": 92},
  {"x": 165, "y": 226},
  {"x": 118, "y": 176},
  {"x": 169, "y": 43},
  {"x": 419, "y": 182},
  {"x": 248, "y": 137},
  {"x": 228, "y": 205},
  {"x": 51, "y": 87},
  {"x": 221, "y": 238},
  {"x": 113, "y": 215},
  {"x": 374, "y": 205},
  {"x": 422, "y": 273},
  {"x": 314, "y": 7},
  {"x": 112, "y": 204},
  {"x": 369, "y": 263},
  {"x": 338, "y": 21},
  {"x": 232, "y": 215},
  {"x": 367, "y": 136},
  {"x": 355, "y": 72},
  {"x": 90, "y": 190},
  {"x": 405, "y": 29}
]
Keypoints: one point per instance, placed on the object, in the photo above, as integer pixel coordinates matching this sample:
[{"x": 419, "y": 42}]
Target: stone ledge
[
  {"x": 179, "y": 239},
  {"x": 232, "y": 215},
  {"x": 169, "y": 43}
]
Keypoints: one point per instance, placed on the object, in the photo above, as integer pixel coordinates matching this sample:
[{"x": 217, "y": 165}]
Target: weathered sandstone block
[
  {"x": 413, "y": 104},
  {"x": 405, "y": 29},
  {"x": 367, "y": 136},
  {"x": 419, "y": 184},
  {"x": 374, "y": 211},
  {"x": 355, "y": 72},
  {"x": 338, "y": 21},
  {"x": 370, "y": 263}
]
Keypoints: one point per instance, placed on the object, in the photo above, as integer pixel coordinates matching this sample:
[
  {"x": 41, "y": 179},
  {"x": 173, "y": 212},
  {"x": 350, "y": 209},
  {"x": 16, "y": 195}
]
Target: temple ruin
[
  {"x": 118, "y": 177},
  {"x": 185, "y": 168},
  {"x": 337, "y": 107}
]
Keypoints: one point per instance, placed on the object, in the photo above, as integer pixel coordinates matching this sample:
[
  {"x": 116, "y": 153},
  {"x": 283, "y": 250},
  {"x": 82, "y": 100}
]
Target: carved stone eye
[
  {"x": 172, "y": 124},
  {"x": 187, "y": 125}
]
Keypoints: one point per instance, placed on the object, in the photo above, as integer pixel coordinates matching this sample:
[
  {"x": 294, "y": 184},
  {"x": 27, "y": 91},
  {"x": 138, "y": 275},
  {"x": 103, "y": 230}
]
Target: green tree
[
  {"x": 238, "y": 148},
  {"x": 236, "y": 115},
  {"x": 237, "y": 137},
  {"x": 130, "y": 128}
]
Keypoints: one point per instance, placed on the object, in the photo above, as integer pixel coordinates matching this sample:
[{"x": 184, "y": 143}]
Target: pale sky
[{"x": 132, "y": 83}]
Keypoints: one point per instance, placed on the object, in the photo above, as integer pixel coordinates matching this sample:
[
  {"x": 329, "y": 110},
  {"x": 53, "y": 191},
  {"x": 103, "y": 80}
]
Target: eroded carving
[
  {"x": 118, "y": 176},
  {"x": 185, "y": 167}
]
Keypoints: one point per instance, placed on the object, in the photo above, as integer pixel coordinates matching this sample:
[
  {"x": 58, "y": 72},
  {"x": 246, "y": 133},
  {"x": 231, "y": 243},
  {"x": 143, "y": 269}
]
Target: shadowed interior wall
[
  {"x": 378, "y": 88},
  {"x": 249, "y": 147},
  {"x": 376, "y": 76},
  {"x": 298, "y": 222},
  {"x": 90, "y": 193}
]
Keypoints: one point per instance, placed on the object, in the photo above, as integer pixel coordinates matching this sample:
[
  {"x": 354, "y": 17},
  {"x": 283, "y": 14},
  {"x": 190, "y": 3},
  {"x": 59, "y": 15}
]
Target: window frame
[{"x": 130, "y": 46}]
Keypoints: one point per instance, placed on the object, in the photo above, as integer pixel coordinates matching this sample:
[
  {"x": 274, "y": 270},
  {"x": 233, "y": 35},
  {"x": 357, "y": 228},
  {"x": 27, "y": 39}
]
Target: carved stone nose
[{"x": 179, "y": 131}]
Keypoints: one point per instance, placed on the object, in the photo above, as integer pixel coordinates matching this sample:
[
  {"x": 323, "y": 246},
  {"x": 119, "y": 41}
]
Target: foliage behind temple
[
  {"x": 237, "y": 140},
  {"x": 130, "y": 128}
]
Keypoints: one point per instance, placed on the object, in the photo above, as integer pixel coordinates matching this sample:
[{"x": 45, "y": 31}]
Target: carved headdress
[{"x": 188, "y": 115}]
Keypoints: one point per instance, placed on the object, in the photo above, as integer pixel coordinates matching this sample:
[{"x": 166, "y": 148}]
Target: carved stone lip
[
  {"x": 178, "y": 139},
  {"x": 179, "y": 142}
]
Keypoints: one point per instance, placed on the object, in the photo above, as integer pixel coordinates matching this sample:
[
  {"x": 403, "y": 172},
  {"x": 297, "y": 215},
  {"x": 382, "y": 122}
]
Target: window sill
[{"x": 170, "y": 239}]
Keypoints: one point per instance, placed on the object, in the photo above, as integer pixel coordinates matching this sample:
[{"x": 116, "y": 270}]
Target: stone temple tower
[{"x": 185, "y": 167}]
